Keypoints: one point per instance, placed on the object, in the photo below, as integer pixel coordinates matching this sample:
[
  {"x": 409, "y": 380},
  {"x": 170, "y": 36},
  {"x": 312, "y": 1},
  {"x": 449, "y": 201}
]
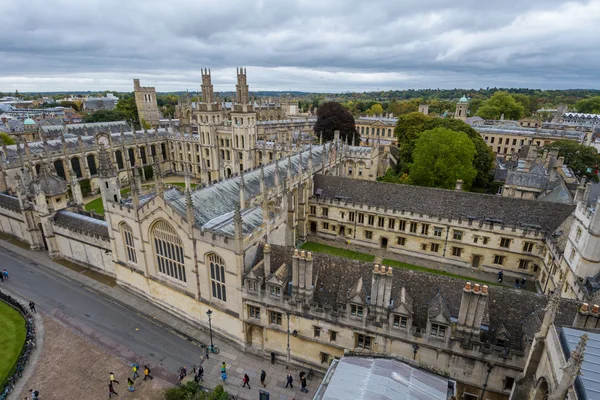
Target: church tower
[
  {"x": 145, "y": 100},
  {"x": 241, "y": 89},
  {"x": 462, "y": 108},
  {"x": 244, "y": 132},
  {"x": 209, "y": 115}
]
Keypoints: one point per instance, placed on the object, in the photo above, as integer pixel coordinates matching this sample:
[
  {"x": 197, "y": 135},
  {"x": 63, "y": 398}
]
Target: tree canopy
[
  {"x": 583, "y": 160},
  {"x": 6, "y": 139},
  {"x": 106, "y": 116},
  {"x": 376, "y": 109},
  {"x": 332, "y": 117},
  {"x": 589, "y": 106},
  {"x": 127, "y": 106},
  {"x": 442, "y": 156},
  {"x": 411, "y": 126},
  {"x": 192, "y": 391},
  {"x": 501, "y": 103}
]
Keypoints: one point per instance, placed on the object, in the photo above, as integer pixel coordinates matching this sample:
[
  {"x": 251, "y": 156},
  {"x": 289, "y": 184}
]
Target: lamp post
[
  {"x": 209, "y": 313},
  {"x": 287, "y": 313}
]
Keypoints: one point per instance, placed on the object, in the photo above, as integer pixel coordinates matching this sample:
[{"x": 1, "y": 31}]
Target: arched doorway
[
  {"x": 313, "y": 227},
  {"x": 541, "y": 390}
]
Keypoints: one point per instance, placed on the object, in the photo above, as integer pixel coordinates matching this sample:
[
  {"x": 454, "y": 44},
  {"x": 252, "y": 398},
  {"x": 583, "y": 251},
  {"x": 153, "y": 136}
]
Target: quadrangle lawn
[{"x": 12, "y": 337}]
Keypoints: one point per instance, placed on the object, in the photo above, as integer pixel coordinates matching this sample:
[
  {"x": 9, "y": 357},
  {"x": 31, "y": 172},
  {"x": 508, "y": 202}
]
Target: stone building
[
  {"x": 462, "y": 109},
  {"x": 377, "y": 129},
  {"x": 228, "y": 246},
  {"x": 145, "y": 100}
]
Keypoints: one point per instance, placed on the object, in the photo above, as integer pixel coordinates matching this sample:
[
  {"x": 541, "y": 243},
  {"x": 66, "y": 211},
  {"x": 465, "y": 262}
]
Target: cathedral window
[
  {"x": 217, "y": 277},
  {"x": 129, "y": 243},
  {"x": 169, "y": 251}
]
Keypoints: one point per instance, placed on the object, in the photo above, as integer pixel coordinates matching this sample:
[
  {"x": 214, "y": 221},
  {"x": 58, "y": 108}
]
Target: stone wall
[{"x": 91, "y": 251}]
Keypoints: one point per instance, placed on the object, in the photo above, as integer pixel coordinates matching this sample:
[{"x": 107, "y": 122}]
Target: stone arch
[
  {"x": 76, "y": 165},
  {"x": 143, "y": 155},
  {"x": 168, "y": 250},
  {"x": 119, "y": 158},
  {"x": 350, "y": 168},
  {"x": 255, "y": 337},
  {"x": 91, "y": 161},
  {"x": 163, "y": 149},
  {"x": 153, "y": 150},
  {"x": 542, "y": 389},
  {"x": 228, "y": 172},
  {"x": 131, "y": 155},
  {"x": 59, "y": 166},
  {"x": 360, "y": 169}
]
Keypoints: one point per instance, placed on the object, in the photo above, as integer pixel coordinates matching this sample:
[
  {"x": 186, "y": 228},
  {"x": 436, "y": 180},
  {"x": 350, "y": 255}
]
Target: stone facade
[{"x": 145, "y": 100}]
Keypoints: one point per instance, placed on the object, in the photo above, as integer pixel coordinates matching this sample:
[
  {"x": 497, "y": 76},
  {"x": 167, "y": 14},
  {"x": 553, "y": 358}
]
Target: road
[{"x": 97, "y": 316}]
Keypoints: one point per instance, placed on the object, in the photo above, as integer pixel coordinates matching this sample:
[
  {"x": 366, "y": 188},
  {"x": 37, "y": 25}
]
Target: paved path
[{"x": 101, "y": 310}]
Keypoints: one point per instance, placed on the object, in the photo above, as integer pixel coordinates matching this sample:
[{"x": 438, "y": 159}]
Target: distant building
[
  {"x": 462, "y": 108},
  {"x": 375, "y": 129},
  {"x": 92, "y": 105},
  {"x": 145, "y": 100}
]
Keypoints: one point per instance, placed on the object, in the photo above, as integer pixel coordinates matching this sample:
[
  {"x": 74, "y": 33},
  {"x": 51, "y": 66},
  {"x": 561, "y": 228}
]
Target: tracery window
[
  {"x": 217, "y": 277},
  {"x": 129, "y": 243},
  {"x": 169, "y": 251}
]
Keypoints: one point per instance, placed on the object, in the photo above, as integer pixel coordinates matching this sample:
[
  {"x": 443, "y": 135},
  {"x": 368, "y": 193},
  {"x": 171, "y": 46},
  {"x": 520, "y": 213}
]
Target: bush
[
  {"x": 193, "y": 391},
  {"x": 86, "y": 187},
  {"x": 148, "y": 172}
]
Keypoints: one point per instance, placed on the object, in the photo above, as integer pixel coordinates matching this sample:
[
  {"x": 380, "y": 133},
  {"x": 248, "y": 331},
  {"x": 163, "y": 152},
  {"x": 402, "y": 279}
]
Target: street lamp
[
  {"x": 209, "y": 313},
  {"x": 287, "y": 313}
]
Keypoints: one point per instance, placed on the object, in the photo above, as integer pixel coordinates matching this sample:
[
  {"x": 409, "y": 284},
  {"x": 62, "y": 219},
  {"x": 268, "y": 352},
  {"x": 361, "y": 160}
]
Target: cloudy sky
[{"x": 307, "y": 45}]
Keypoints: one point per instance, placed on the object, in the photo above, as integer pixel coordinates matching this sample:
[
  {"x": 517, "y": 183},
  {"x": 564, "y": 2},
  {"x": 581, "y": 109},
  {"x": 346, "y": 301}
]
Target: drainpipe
[
  {"x": 489, "y": 371},
  {"x": 446, "y": 240}
]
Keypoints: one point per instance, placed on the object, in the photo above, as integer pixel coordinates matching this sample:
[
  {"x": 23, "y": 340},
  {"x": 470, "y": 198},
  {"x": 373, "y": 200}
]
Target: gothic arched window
[
  {"x": 128, "y": 242},
  {"x": 217, "y": 277},
  {"x": 169, "y": 251}
]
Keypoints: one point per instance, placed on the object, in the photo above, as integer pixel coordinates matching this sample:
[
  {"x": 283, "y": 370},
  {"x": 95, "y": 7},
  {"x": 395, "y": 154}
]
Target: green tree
[
  {"x": 583, "y": 160},
  {"x": 192, "y": 391},
  {"x": 441, "y": 157},
  {"x": 376, "y": 109},
  {"x": 6, "y": 139},
  {"x": 332, "y": 117},
  {"x": 410, "y": 127},
  {"x": 589, "y": 106},
  {"x": 105, "y": 116},
  {"x": 525, "y": 101},
  {"x": 501, "y": 103},
  {"x": 127, "y": 106}
]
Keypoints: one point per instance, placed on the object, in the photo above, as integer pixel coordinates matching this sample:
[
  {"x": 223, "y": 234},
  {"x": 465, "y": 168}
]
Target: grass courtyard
[
  {"x": 12, "y": 337},
  {"x": 355, "y": 255},
  {"x": 96, "y": 204}
]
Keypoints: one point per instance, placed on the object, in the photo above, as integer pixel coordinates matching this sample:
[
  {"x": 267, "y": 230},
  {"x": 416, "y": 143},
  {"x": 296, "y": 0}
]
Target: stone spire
[
  {"x": 76, "y": 193},
  {"x": 299, "y": 162},
  {"x": 158, "y": 178},
  {"x": 237, "y": 222},
  {"x": 276, "y": 174},
  {"x": 353, "y": 138},
  {"x": 310, "y": 159},
  {"x": 189, "y": 209},
  {"x": 106, "y": 168},
  {"x": 136, "y": 186},
  {"x": 262, "y": 180},
  {"x": 323, "y": 158},
  {"x": 289, "y": 169},
  {"x": 321, "y": 138},
  {"x": 551, "y": 308},
  {"x": 186, "y": 176},
  {"x": 242, "y": 190},
  {"x": 571, "y": 370}
]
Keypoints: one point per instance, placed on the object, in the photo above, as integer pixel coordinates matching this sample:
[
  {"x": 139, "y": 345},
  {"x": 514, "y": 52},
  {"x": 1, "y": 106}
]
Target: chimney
[
  {"x": 472, "y": 308},
  {"x": 295, "y": 272},
  {"x": 579, "y": 193},
  {"x": 309, "y": 276},
  {"x": 459, "y": 185},
  {"x": 375, "y": 282},
  {"x": 560, "y": 162},
  {"x": 301, "y": 271},
  {"x": 267, "y": 260},
  {"x": 388, "y": 287},
  {"x": 336, "y": 135}
]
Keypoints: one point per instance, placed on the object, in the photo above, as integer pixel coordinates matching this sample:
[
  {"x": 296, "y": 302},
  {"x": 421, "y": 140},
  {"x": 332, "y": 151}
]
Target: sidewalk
[{"x": 238, "y": 362}]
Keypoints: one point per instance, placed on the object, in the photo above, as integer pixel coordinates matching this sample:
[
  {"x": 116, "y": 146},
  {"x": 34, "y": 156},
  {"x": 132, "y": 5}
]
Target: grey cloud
[{"x": 335, "y": 45}]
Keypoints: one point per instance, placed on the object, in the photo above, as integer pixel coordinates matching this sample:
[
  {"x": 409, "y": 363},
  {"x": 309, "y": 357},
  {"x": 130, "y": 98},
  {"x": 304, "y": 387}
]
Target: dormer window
[
  {"x": 438, "y": 331},
  {"x": 356, "y": 311},
  {"x": 400, "y": 321},
  {"x": 252, "y": 286},
  {"x": 275, "y": 291}
]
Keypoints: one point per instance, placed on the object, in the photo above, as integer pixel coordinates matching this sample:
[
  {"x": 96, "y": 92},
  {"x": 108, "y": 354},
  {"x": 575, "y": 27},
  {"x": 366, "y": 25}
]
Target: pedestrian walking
[
  {"x": 523, "y": 283},
  {"x": 303, "y": 383},
  {"x": 111, "y": 376},
  {"x": 5, "y": 274},
  {"x": 246, "y": 381},
  {"x": 289, "y": 381},
  {"x": 32, "y": 307},
  {"x": 207, "y": 352},
  {"x": 111, "y": 390},
  {"x": 130, "y": 383},
  {"x": 134, "y": 371},
  {"x": 199, "y": 374},
  {"x": 147, "y": 373},
  {"x": 224, "y": 376},
  {"x": 263, "y": 376},
  {"x": 517, "y": 283},
  {"x": 34, "y": 394},
  {"x": 182, "y": 374},
  {"x": 500, "y": 276},
  {"x": 223, "y": 367}
]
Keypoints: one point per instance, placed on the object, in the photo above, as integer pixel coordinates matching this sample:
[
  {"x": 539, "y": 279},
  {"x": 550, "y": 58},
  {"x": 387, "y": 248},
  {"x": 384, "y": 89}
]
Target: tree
[
  {"x": 192, "y": 391},
  {"x": 525, "y": 101},
  {"x": 583, "y": 160},
  {"x": 589, "y": 106},
  {"x": 105, "y": 116},
  {"x": 376, "y": 109},
  {"x": 410, "y": 127},
  {"x": 127, "y": 106},
  {"x": 332, "y": 117},
  {"x": 441, "y": 157},
  {"x": 72, "y": 104},
  {"x": 6, "y": 139},
  {"x": 501, "y": 103}
]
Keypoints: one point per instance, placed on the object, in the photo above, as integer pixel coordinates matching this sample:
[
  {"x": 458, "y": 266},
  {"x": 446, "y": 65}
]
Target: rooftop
[{"x": 587, "y": 384}]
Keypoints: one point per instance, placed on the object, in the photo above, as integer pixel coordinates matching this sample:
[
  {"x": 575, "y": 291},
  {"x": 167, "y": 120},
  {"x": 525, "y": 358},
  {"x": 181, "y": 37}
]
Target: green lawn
[
  {"x": 12, "y": 337},
  {"x": 96, "y": 205},
  {"x": 355, "y": 255}
]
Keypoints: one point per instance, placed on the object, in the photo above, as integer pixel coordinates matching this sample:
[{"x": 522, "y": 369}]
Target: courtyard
[{"x": 12, "y": 337}]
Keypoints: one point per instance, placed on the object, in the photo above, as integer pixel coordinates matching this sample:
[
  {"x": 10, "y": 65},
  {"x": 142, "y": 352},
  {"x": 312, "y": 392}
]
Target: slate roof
[
  {"x": 560, "y": 194},
  {"x": 48, "y": 182},
  {"x": 444, "y": 203},
  {"x": 218, "y": 200},
  {"x": 10, "y": 202},
  {"x": 99, "y": 104},
  {"x": 87, "y": 129},
  {"x": 508, "y": 308},
  {"x": 82, "y": 223},
  {"x": 587, "y": 385}
]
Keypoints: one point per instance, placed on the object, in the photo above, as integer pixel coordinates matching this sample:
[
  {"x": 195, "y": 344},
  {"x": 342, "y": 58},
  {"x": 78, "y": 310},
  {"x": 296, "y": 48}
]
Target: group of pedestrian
[
  {"x": 519, "y": 283},
  {"x": 130, "y": 380},
  {"x": 289, "y": 381},
  {"x": 4, "y": 275},
  {"x": 34, "y": 395}
]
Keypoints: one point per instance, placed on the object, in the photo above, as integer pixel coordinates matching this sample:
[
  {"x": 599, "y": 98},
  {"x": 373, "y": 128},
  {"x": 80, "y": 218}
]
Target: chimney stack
[
  {"x": 459, "y": 185},
  {"x": 267, "y": 260},
  {"x": 472, "y": 308}
]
